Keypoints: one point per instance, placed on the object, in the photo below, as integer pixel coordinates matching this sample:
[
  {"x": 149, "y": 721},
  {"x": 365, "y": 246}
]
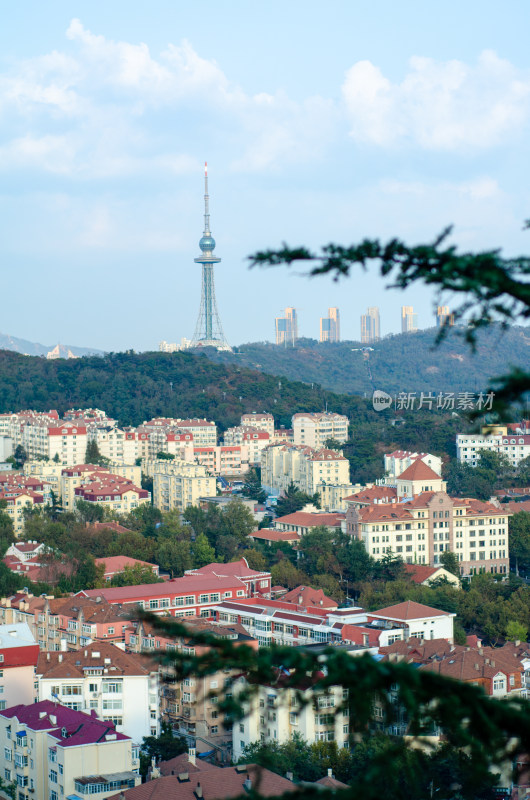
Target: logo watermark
[{"x": 433, "y": 401}]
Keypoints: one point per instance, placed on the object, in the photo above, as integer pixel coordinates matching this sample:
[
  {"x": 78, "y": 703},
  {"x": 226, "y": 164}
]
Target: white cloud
[{"x": 439, "y": 106}]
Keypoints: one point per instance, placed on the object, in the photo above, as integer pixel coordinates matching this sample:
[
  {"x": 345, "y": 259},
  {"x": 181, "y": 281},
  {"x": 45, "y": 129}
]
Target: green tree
[
  {"x": 519, "y": 541},
  {"x": 89, "y": 512},
  {"x": 255, "y": 559},
  {"x": 449, "y": 561},
  {"x": 163, "y": 456},
  {"x": 174, "y": 556},
  {"x": 293, "y": 500},
  {"x": 286, "y": 574},
  {"x": 252, "y": 487},
  {"x": 20, "y": 456},
  {"x": 135, "y": 575},
  {"x": 202, "y": 552},
  {"x": 161, "y": 748},
  {"x": 93, "y": 454},
  {"x": 516, "y": 632}
]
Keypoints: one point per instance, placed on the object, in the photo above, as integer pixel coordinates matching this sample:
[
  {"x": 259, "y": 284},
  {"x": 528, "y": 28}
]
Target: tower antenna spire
[{"x": 209, "y": 331}]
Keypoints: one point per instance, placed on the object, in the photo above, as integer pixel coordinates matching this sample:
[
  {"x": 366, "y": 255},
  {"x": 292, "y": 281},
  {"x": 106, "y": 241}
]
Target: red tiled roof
[
  {"x": 408, "y": 610},
  {"x": 215, "y": 783},
  {"x": 419, "y": 471},
  {"x": 239, "y": 569},
  {"x": 419, "y": 573},
  {"x": 305, "y": 596},
  {"x": 374, "y": 493},
  {"x": 270, "y": 535},
  {"x": 308, "y": 519},
  {"x": 115, "y": 564},
  {"x": 186, "y": 585}
]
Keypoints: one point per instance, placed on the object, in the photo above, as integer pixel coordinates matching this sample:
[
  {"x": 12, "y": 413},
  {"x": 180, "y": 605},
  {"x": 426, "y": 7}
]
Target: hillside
[
  {"x": 404, "y": 362},
  {"x": 134, "y": 387}
]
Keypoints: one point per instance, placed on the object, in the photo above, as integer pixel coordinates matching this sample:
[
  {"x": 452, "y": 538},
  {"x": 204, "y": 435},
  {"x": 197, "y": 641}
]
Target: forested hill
[
  {"x": 405, "y": 362},
  {"x": 134, "y": 387}
]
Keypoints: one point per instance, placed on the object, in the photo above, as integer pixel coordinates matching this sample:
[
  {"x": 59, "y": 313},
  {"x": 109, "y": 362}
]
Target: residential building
[
  {"x": 192, "y": 596},
  {"x": 64, "y": 440},
  {"x": 324, "y": 467},
  {"x": 114, "y": 443},
  {"x": 421, "y": 529},
  {"x": 275, "y": 714},
  {"x": 399, "y": 460},
  {"x": 113, "y": 565},
  {"x": 315, "y": 429},
  {"x": 256, "y": 582},
  {"x": 515, "y": 446},
  {"x": 48, "y": 472},
  {"x": 191, "y": 704},
  {"x": 264, "y": 422},
  {"x": 223, "y": 460},
  {"x": 79, "y": 475},
  {"x": 287, "y": 328},
  {"x": 330, "y": 326},
  {"x": 418, "y": 478},
  {"x": 113, "y": 492},
  {"x": 189, "y": 783},
  {"x": 18, "y": 499},
  {"x": 444, "y": 317},
  {"x": 370, "y": 326},
  {"x": 18, "y": 657},
  {"x": 121, "y": 688},
  {"x": 51, "y": 751},
  {"x": 309, "y": 470},
  {"x": 25, "y": 551},
  {"x": 178, "y": 484},
  {"x": 66, "y": 623},
  {"x": 425, "y": 576},
  {"x": 203, "y": 431},
  {"x": 307, "y": 596},
  {"x": 409, "y": 320},
  {"x": 253, "y": 439},
  {"x": 302, "y": 522},
  {"x": 333, "y": 496}
]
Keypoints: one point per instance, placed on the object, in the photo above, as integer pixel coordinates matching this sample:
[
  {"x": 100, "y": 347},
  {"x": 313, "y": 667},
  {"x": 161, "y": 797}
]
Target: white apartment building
[
  {"x": 515, "y": 446},
  {"x": 82, "y": 474},
  {"x": 51, "y": 751},
  {"x": 114, "y": 443},
  {"x": 204, "y": 431},
  {"x": 314, "y": 429},
  {"x": 18, "y": 657},
  {"x": 65, "y": 440},
  {"x": 178, "y": 484},
  {"x": 121, "y": 688},
  {"x": 264, "y": 422},
  {"x": 421, "y": 529},
  {"x": 399, "y": 460},
  {"x": 274, "y": 714},
  {"x": 323, "y": 468}
]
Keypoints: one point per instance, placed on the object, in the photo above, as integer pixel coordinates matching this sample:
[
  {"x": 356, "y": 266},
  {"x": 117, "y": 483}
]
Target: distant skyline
[{"x": 319, "y": 123}]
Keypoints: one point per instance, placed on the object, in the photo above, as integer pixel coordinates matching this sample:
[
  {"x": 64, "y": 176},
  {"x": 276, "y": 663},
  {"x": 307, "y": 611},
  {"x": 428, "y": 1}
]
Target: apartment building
[
  {"x": 399, "y": 460},
  {"x": 80, "y": 474},
  {"x": 178, "y": 484},
  {"x": 497, "y": 439},
  {"x": 51, "y": 751},
  {"x": 17, "y": 500},
  {"x": 121, "y": 688},
  {"x": 18, "y": 657},
  {"x": 264, "y": 422},
  {"x": 113, "y": 492},
  {"x": 116, "y": 444},
  {"x": 287, "y": 327},
  {"x": 314, "y": 429},
  {"x": 421, "y": 529},
  {"x": 203, "y": 431},
  {"x": 330, "y": 326},
  {"x": 62, "y": 439},
  {"x": 275, "y": 714},
  {"x": 191, "y": 596},
  {"x": 223, "y": 459},
  {"x": 283, "y": 464},
  {"x": 66, "y": 623},
  {"x": 254, "y": 439},
  {"x": 409, "y": 320},
  {"x": 302, "y": 522}
]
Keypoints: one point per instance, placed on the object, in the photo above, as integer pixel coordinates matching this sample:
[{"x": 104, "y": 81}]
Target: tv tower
[{"x": 209, "y": 331}]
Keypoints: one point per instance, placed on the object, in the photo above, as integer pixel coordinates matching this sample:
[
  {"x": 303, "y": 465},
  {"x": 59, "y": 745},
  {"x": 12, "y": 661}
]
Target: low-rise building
[
  {"x": 399, "y": 460},
  {"x": 302, "y": 522},
  {"x": 121, "y": 688},
  {"x": 113, "y": 492},
  {"x": 51, "y": 751},
  {"x": 113, "y": 565}
]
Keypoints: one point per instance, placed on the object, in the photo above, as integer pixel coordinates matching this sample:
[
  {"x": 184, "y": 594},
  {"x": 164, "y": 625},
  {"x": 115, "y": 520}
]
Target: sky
[{"x": 319, "y": 122}]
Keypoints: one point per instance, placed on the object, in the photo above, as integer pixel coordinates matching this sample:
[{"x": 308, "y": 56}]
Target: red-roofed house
[
  {"x": 70, "y": 752},
  {"x": 398, "y": 461},
  {"x": 422, "y": 574},
  {"x": 115, "y": 564},
  {"x": 303, "y": 521},
  {"x": 271, "y": 536},
  {"x": 418, "y": 478},
  {"x": 255, "y": 581},
  {"x": 306, "y": 596}
]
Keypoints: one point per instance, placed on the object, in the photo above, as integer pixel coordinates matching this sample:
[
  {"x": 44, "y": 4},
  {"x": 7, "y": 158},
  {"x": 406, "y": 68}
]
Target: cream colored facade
[
  {"x": 178, "y": 484},
  {"x": 313, "y": 430},
  {"x": 82, "y": 474},
  {"x": 253, "y": 439},
  {"x": 44, "y": 768},
  {"x": 283, "y": 464},
  {"x": 420, "y": 530},
  {"x": 332, "y": 497},
  {"x": 275, "y": 715},
  {"x": 65, "y": 440},
  {"x": 48, "y": 471},
  {"x": 265, "y": 422},
  {"x": 17, "y": 501}
]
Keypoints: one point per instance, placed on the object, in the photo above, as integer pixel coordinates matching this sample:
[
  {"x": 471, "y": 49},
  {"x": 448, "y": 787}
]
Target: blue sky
[{"x": 319, "y": 122}]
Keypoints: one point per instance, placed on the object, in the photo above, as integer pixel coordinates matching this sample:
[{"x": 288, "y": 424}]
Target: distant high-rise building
[
  {"x": 287, "y": 327},
  {"x": 409, "y": 320},
  {"x": 444, "y": 317},
  {"x": 370, "y": 327},
  {"x": 330, "y": 326}
]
